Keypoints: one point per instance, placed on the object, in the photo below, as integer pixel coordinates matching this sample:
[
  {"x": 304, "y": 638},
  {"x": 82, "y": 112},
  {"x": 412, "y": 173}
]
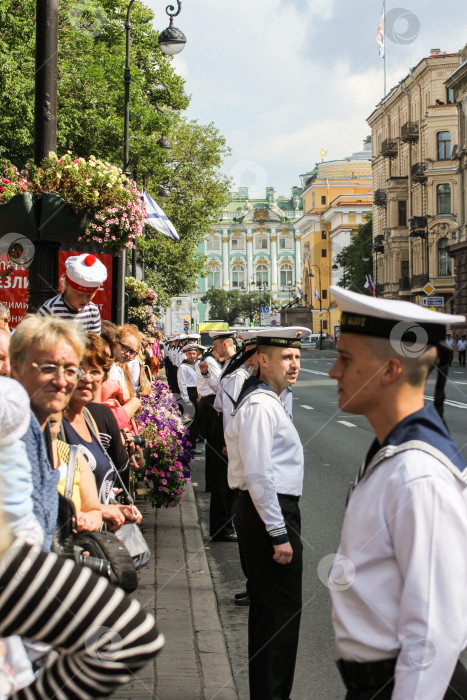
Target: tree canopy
[
  {"x": 91, "y": 60},
  {"x": 234, "y": 304},
  {"x": 354, "y": 268}
]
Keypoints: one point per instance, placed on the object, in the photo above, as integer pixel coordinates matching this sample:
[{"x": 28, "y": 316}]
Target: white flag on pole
[{"x": 156, "y": 218}]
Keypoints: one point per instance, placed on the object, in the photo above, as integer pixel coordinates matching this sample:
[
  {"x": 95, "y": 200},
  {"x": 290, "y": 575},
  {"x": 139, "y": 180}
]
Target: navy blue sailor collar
[{"x": 251, "y": 385}]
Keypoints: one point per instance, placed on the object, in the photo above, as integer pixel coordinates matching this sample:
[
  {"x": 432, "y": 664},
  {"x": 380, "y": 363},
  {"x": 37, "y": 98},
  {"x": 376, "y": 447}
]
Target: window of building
[
  {"x": 313, "y": 200},
  {"x": 323, "y": 199},
  {"x": 238, "y": 276},
  {"x": 444, "y": 261},
  {"x": 262, "y": 275},
  {"x": 325, "y": 325},
  {"x": 286, "y": 275},
  {"x": 324, "y": 293},
  {"x": 285, "y": 241},
  {"x": 404, "y": 268},
  {"x": 443, "y": 199},
  {"x": 443, "y": 144},
  {"x": 324, "y": 253},
  {"x": 214, "y": 276},
  {"x": 213, "y": 244},
  {"x": 450, "y": 96},
  {"x": 402, "y": 212},
  {"x": 261, "y": 242},
  {"x": 237, "y": 242},
  {"x": 324, "y": 235}
]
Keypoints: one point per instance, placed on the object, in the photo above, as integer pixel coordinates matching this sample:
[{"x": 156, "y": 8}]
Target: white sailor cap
[
  {"x": 193, "y": 346},
  {"x": 248, "y": 337},
  {"x": 183, "y": 336},
  {"x": 374, "y": 316},
  {"x": 193, "y": 336},
  {"x": 85, "y": 273},
  {"x": 222, "y": 335},
  {"x": 285, "y": 337}
]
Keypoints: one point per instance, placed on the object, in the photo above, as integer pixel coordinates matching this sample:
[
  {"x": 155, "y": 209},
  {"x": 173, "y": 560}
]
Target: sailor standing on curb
[
  {"x": 186, "y": 377},
  {"x": 84, "y": 275},
  {"x": 235, "y": 375},
  {"x": 399, "y": 580},
  {"x": 266, "y": 465}
]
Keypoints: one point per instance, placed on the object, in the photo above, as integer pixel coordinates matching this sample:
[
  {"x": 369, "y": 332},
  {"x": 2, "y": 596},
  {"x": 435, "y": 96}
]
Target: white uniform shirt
[
  {"x": 450, "y": 343},
  {"x": 207, "y": 385},
  {"x": 400, "y": 578},
  {"x": 287, "y": 400},
  {"x": 186, "y": 376},
  {"x": 228, "y": 390},
  {"x": 265, "y": 455},
  {"x": 461, "y": 345}
]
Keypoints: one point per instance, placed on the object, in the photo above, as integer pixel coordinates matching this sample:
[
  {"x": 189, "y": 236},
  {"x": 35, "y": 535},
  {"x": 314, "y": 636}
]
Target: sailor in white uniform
[
  {"x": 399, "y": 581},
  {"x": 186, "y": 377},
  {"x": 266, "y": 466}
]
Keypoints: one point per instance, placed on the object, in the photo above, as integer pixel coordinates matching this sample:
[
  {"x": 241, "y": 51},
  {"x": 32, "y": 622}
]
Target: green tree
[
  {"x": 355, "y": 269},
  {"x": 229, "y": 306}
]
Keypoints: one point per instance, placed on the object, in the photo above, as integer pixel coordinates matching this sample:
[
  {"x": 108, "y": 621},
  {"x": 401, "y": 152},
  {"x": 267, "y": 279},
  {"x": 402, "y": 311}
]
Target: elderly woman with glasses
[
  {"x": 83, "y": 428},
  {"x": 45, "y": 354}
]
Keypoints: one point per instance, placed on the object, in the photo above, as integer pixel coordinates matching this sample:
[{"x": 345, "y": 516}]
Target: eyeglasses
[
  {"x": 95, "y": 374},
  {"x": 71, "y": 374},
  {"x": 127, "y": 350}
]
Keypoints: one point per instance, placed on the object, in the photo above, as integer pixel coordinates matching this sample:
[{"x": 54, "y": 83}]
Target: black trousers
[
  {"x": 275, "y": 599},
  {"x": 222, "y": 496},
  {"x": 207, "y": 417},
  {"x": 380, "y": 681},
  {"x": 193, "y": 429},
  {"x": 462, "y": 357}
]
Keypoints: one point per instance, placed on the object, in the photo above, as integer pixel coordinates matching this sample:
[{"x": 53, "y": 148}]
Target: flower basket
[
  {"x": 59, "y": 223},
  {"x": 168, "y": 453},
  {"x": 18, "y": 216}
]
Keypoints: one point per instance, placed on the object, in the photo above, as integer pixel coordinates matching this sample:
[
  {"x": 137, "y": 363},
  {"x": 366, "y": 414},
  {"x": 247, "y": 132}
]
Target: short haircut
[
  {"x": 45, "y": 332},
  {"x": 95, "y": 354},
  {"x": 417, "y": 369},
  {"x": 4, "y": 310}
]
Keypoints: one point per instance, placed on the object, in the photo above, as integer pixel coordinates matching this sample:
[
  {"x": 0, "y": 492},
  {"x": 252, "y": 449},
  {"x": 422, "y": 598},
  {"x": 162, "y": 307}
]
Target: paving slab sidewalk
[{"x": 177, "y": 588}]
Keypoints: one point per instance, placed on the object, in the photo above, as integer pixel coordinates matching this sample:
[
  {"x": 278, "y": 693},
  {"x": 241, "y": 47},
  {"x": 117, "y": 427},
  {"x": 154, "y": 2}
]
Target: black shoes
[
  {"x": 225, "y": 537},
  {"x": 242, "y": 599}
]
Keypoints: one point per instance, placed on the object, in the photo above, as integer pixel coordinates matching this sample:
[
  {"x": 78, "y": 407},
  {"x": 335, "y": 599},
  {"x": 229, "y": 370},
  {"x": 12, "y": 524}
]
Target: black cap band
[
  {"x": 278, "y": 342},
  {"x": 383, "y": 327}
]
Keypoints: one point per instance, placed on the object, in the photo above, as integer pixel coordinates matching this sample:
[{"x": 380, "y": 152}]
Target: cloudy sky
[{"x": 283, "y": 78}]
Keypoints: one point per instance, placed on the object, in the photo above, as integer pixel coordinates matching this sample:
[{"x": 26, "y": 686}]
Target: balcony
[
  {"x": 409, "y": 131},
  {"x": 419, "y": 281},
  {"x": 379, "y": 289},
  {"x": 419, "y": 171},
  {"x": 389, "y": 148},
  {"x": 404, "y": 284},
  {"x": 380, "y": 198}
]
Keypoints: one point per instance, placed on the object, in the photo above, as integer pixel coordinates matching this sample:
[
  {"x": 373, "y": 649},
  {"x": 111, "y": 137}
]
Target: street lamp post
[
  {"x": 335, "y": 268},
  {"x": 310, "y": 276},
  {"x": 376, "y": 248},
  {"x": 171, "y": 41}
]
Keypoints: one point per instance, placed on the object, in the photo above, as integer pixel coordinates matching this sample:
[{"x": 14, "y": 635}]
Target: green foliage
[
  {"x": 355, "y": 269},
  {"x": 234, "y": 304}
]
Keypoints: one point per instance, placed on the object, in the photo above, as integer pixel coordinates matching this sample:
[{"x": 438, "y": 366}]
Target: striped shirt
[
  {"x": 103, "y": 636},
  {"x": 88, "y": 317}
]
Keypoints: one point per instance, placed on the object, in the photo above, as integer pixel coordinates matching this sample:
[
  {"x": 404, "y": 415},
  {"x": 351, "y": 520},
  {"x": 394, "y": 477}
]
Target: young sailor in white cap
[
  {"x": 186, "y": 377},
  {"x": 399, "y": 581},
  {"x": 84, "y": 275},
  {"x": 266, "y": 465}
]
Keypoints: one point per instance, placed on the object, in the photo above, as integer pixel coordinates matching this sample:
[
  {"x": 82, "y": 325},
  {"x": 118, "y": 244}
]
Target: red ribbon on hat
[{"x": 80, "y": 288}]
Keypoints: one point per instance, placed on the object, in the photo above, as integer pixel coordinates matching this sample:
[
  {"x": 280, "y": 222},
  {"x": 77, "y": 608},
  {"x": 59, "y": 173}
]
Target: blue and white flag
[
  {"x": 156, "y": 218},
  {"x": 317, "y": 295},
  {"x": 380, "y": 32}
]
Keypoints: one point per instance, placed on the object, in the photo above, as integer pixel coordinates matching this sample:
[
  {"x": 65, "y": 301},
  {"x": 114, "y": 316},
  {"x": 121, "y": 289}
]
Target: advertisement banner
[{"x": 14, "y": 282}]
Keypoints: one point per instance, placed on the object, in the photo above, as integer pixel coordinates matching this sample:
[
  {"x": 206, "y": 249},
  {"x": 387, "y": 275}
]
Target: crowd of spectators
[{"x": 61, "y": 387}]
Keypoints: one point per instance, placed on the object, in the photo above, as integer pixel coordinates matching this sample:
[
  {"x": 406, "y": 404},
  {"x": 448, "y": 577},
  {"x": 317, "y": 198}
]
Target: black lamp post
[
  {"x": 310, "y": 276},
  {"x": 335, "y": 268},
  {"x": 171, "y": 42},
  {"x": 376, "y": 248}
]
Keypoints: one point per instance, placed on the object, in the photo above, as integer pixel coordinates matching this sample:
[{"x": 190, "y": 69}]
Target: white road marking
[
  {"x": 455, "y": 404},
  {"x": 314, "y": 371},
  {"x": 459, "y": 382},
  {"x": 346, "y": 422},
  {"x": 308, "y": 408}
]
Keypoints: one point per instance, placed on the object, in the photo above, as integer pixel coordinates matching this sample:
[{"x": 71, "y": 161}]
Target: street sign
[
  {"x": 195, "y": 300},
  {"x": 265, "y": 309},
  {"x": 321, "y": 315},
  {"x": 433, "y": 301},
  {"x": 256, "y": 323},
  {"x": 273, "y": 322},
  {"x": 428, "y": 289},
  {"x": 178, "y": 302},
  {"x": 256, "y": 317}
]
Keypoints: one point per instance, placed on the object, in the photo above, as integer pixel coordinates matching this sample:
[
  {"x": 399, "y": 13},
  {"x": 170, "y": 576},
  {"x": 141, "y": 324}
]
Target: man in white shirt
[
  {"x": 461, "y": 349},
  {"x": 266, "y": 466},
  {"x": 399, "y": 580},
  {"x": 186, "y": 377}
]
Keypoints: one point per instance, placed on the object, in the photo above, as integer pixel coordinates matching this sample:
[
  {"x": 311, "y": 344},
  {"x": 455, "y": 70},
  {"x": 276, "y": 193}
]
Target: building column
[
  {"x": 225, "y": 261},
  {"x": 298, "y": 259},
  {"x": 274, "y": 263},
  {"x": 249, "y": 257}
]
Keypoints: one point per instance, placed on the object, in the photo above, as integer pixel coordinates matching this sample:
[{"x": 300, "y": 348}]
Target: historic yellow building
[
  {"x": 337, "y": 197},
  {"x": 415, "y": 183}
]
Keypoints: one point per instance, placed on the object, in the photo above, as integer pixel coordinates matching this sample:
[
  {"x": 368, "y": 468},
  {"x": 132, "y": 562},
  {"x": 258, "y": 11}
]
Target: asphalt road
[{"x": 334, "y": 445}]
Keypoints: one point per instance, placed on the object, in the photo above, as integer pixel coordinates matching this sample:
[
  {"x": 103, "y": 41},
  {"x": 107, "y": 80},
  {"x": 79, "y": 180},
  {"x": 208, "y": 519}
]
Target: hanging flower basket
[
  {"x": 18, "y": 216},
  {"x": 59, "y": 223}
]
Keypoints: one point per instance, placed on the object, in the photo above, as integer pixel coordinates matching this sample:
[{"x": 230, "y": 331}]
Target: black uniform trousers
[
  {"x": 207, "y": 416},
  {"x": 193, "y": 429},
  {"x": 222, "y": 496},
  {"x": 375, "y": 681},
  {"x": 275, "y": 598},
  {"x": 462, "y": 354}
]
